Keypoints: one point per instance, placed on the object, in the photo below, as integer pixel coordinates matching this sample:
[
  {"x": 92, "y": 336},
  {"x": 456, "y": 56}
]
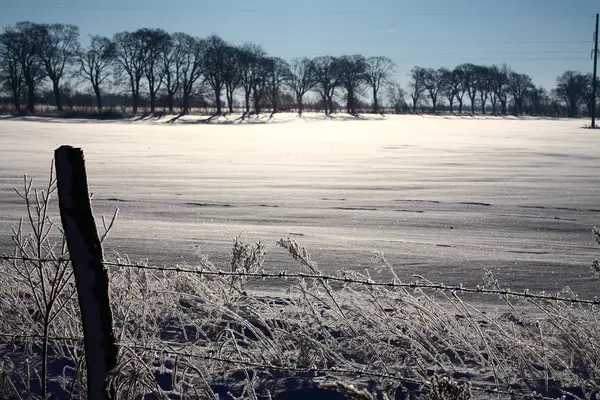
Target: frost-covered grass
[{"x": 196, "y": 336}]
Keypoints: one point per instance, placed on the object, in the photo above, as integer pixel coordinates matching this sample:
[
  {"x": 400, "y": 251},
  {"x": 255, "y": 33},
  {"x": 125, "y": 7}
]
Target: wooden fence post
[{"x": 91, "y": 277}]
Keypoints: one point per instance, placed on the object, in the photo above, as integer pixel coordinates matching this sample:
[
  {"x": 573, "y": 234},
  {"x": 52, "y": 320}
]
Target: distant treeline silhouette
[{"x": 151, "y": 69}]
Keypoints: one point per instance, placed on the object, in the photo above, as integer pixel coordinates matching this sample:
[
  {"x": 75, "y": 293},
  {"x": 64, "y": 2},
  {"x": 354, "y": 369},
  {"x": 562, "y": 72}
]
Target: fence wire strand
[
  {"x": 270, "y": 367},
  {"x": 341, "y": 279}
]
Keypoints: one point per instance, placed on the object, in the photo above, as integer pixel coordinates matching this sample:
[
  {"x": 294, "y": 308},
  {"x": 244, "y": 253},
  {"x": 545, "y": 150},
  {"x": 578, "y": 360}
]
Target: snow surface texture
[{"x": 442, "y": 197}]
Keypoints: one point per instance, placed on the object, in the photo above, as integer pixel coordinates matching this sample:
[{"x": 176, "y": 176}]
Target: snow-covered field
[{"x": 442, "y": 197}]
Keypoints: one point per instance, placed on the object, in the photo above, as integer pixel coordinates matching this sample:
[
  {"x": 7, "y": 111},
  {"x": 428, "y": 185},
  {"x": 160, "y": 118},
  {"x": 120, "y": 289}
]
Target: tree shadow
[
  {"x": 245, "y": 117},
  {"x": 356, "y": 117},
  {"x": 155, "y": 116},
  {"x": 175, "y": 118},
  {"x": 77, "y": 117}
]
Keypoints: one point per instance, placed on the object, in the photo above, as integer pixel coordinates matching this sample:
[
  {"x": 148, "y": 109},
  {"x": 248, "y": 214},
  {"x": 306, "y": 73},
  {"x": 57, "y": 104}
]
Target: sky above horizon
[{"x": 542, "y": 38}]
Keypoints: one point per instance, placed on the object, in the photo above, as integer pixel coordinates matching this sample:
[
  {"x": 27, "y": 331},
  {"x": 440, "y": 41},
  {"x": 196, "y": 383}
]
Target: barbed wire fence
[
  {"x": 331, "y": 278},
  {"x": 169, "y": 349}
]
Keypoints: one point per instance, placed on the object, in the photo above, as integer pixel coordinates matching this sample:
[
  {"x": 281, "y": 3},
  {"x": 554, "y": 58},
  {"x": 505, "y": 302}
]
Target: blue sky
[{"x": 540, "y": 37}]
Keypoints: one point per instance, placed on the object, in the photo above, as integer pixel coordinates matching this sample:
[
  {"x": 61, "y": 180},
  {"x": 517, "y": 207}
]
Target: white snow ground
[{"x": 442, "y": 197}]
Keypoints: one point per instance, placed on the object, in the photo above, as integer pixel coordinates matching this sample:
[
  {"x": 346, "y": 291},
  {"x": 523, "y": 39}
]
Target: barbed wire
[
  {"x": 331, "y": 370},
  {"x": 270, "y": 367},
  {"x": 340, "y": 279}
]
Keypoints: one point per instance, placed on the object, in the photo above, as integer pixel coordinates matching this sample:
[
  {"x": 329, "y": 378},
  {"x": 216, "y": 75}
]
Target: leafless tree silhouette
[
  {"x": 249, "y": 58},
  {"x": 587, "y": 95},
  {"x": 327, "y": 75},
  {"x": 192, "y": 52},
  {"x": 434, "y": 82},
  {"x": 95, "y": 63},
  {"x": 458, "y": 86},
  {"x": 129, "y": 56},
  {"x": 417, "y": 85},
  {"x": 214, "y": 67},
  {"x": 500, "y": 87},
  {"x": 277, "y": 72},
  {"x": 301, "y": 79},
  {"x": 378, "y": 73},
  {"x": 156, "y": 44},
  {"x": 397, "y": 96},
  {"x": 483, "y": 84},
  {"x": 448, "y": 90},
  {"x": 260, "y": 81},
  {"x": 537, "y": 99},
  {"x": 170, "y": 64},
  {"x": 58, "y": 50},
  {"x": 469, "y": 82},
  {"x": 570, "y": 86},
  {"x": 232, "y": 74},
  {"x": 25, "y": 40},
  {"x": 519, "y": 85},
  {"x": 11, "y": 73},
  {"x": 352, "y": 71}
]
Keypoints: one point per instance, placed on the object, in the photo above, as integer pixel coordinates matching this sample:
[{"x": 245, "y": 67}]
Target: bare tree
[
  {"x": 58, "y": 49},
  {"x": 570, "y": 86},
  {"x": 215, "y": 64},
  {"x": 458, "y": 86},
  {"x": 587, "y": 94},
  {"x": 448, "y": 90},
  {"x": 95, "y": 63},
  {"x": 556, "y": 108},
  {"x": 378, "y": 72},
  {"x": 327, "y": 75},
  {"x": 191, "y": 54},
  {"x": 277, "y": 72},
  {"x": 469, "y": 82},
  {"x": 301, "y": 79},
  {"x": 170, "y": 63},
  {"x": 417, "y": 85},
  {"x": 24, "y": 40},
  {"x": 500, "y": 86},
  {"x": 482, "y": 84},
  {"x": 260, "y": 81},
  {"x": 11, "y": 73},
  {"x": 352, "y": 77},
  {"x": 434, "y": 82},
  {"x": 129, "y": 56},
  {"x": 232, "y": 74},
  {"x": 538, "y": 101},
  {"x": 519, "y": 84},
  {"x": 155, "y": 47},
  {"x": 397, "y": 97},
  {"x": 250, "y": 57}
]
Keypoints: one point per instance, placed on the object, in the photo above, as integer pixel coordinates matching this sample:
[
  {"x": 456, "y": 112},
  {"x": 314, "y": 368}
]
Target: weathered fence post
[{"x": 91, "y": 277}]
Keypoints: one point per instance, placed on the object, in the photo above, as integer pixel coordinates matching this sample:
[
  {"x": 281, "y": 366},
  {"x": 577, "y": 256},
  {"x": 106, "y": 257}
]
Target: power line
[
  {"x": 281, "y": 11},
  {"x": 378, "y": 41},
  {"x": 476, "y": 58}
]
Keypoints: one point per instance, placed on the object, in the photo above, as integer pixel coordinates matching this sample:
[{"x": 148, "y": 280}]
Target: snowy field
[{"x": 440, "y": 197}]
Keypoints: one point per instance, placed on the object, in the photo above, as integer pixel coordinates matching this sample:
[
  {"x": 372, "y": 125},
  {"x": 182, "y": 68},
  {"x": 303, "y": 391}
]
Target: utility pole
[{"x": 594, "y": 82}]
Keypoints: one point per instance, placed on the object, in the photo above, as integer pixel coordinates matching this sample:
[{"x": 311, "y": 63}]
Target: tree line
[
  {"x": 161, "y": 69},
  {"x": 494, "y": 88}
]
